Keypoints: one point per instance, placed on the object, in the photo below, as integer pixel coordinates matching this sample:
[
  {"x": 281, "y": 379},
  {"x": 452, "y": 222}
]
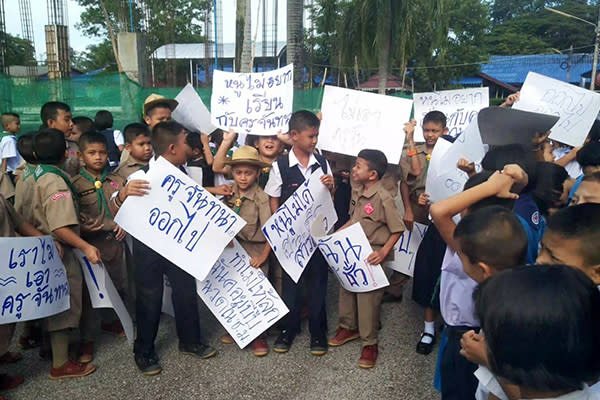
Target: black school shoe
[
  {"x": 318, "y": 346},
  {"x": 148, "y": 364},
  {"x": 203, "y": 351},
  {"x": 283, "y": 342},
  {"x": 425, "y": 348}
]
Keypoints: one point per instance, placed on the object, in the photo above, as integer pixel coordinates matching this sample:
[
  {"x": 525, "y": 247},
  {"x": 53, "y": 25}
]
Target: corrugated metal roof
[
  {"x": 196, "y": 51},
  {"x": 514, "y": 69}
]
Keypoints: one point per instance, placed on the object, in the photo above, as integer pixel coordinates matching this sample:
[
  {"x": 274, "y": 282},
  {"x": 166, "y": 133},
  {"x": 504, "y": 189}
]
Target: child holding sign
[
  {"x": 250, "y": 202},
  {"x": 168, "y": 141},
  {"x": 139, "y": 148},
  {"x": 374, "y": 208},
  {"x": 55, "y": 212},
  {"x": 287, "y": 174},
  {"x": 95, "y": 185}
]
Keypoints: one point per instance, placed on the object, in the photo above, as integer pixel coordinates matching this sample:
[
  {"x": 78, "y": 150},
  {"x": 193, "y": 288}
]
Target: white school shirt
[
  {"x": 573, "y": 167},
  {"x": 195, "y": 173},
  {"x": 118, "y": 137},
  {"x": 273, "y": 186},
  {"x": 456, "y": 293},
  {"x": 8, "y": 150}
]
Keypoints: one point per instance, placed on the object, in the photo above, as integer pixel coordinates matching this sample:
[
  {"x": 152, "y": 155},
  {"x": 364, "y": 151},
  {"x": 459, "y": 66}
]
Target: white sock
[{"x": 429, "y": 328}]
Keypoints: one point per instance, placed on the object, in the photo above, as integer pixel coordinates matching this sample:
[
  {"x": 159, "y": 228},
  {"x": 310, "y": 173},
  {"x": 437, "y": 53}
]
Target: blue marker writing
[{"x": 89, "y": 266}]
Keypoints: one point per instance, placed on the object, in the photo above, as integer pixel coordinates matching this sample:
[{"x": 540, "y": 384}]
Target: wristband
[{"x": 411, "y": 152}]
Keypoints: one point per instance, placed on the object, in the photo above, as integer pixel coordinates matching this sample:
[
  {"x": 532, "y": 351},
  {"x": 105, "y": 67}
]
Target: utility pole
[{"x": 595, "y": 63}]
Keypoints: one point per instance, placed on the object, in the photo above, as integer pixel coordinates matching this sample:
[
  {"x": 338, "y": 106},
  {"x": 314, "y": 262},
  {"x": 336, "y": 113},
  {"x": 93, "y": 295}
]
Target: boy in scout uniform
[
  {"x": 57, "y": 115},
  {"x": 11, "y": 224},
  {"x": 95, "y": 186},
  {"x": 54, "y": 212},
  {"x": 374, "y": 208},
  {"x": 250, "y": 202},
  {"x": 138, "y": 144}
]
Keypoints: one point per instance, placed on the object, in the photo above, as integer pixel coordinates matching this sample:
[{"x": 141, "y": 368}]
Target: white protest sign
[
  {"x": 405, "y": 250},
  {"x": 256, "y": 103},
  {"x": 288, "y": 230},
  {"x": 354, "y": 120},
  {"x": 179, "y": 220},
  {"x": 577, "y": 107},
  {"x": 460, "y": 107},
  {"x": 103, "y": 293},
  {"x": 444, "y": 179},
  {"x": 240, "y": 296},
  {"x": 33, "y": 279},
  {"x": 346, "y": 252},
  {"x": 191, "y": 111}
]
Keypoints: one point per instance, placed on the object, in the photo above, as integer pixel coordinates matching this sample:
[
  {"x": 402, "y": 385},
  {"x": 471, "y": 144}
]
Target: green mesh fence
[{"x": 113, "y": 92}]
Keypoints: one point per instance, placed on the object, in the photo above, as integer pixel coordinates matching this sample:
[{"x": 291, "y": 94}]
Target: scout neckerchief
[
  {"x": 102, "y": 203},
  {"x": 28, "y": 171},
  {"x": 263, "y": 178},
  {"x": 238, "y": 204},
  {"x": 43, "y": 169}
]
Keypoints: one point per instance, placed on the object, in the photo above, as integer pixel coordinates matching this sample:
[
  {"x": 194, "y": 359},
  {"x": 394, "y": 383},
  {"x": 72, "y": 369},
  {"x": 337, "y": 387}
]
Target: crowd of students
[{"x": 514, "y": 280}]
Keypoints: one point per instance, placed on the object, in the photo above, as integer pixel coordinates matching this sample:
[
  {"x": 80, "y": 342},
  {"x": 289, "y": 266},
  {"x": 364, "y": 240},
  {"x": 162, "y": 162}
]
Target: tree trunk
[
  {"x": 385, "y": 45},
  {"x": 240, "y": 16},
  {"x": 246, "y": 61},
  {"x": 295, "y": 39},
  {"x": 111, "y": 34}
]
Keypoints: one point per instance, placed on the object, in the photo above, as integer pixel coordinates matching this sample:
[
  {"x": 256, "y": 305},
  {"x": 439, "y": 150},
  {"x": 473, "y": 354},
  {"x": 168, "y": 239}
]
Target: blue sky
[{"x": 79, "y": 42}]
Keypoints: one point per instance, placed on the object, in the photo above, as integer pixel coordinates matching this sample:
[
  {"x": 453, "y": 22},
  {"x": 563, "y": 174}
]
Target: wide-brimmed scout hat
[
  {"x": 154, "y": 99},
  {"x": 246, "y": 155}
]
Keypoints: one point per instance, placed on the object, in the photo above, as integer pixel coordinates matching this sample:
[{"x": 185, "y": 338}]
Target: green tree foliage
[
  {"x": 19, "y": 51},
  {"x": 96, "y": 56}
]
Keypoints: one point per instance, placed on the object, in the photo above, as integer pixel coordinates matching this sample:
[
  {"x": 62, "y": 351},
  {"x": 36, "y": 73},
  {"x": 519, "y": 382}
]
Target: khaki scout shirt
[
  {"x": 128, "y": 167},
  {"x": 72, "y": 163},
  {"x": 255, "y": 210},
  {"x": 24, "y": 196},
  {"x": 416, "y": 184},
  {"x": 88, "y": 199},
  {"x": 391, "y": 179},
  {"x": 53, "y": 205},
  {"x": 375, "y": 210},
  {"x": 10, "y": 220}
]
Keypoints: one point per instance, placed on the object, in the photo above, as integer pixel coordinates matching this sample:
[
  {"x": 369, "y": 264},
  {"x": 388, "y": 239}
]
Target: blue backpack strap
[{"x": 574, "y": 188}]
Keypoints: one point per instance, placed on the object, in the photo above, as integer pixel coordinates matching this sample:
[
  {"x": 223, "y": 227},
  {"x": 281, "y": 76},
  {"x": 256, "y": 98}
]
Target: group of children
[{"x": 70, "y": 178}]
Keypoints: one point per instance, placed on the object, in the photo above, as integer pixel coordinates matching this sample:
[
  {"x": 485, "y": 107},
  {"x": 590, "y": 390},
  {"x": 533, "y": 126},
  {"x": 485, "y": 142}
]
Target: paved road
[{"x": 400, "y": 372}]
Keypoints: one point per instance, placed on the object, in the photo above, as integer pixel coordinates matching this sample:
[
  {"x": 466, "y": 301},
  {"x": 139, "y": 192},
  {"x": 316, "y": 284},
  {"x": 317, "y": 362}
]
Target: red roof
[{"x": 393, "y": 82}]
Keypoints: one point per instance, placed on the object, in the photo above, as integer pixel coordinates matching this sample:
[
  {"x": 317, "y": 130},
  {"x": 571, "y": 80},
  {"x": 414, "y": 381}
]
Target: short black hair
[
  {"x": 542, "y": 324},
  {"x": 193, "y": 140},
  {"x": 436, "y": 117},
  {"x": 159, "y": 104},
  {"x": 594, "y": 134},
  {"x": 25, "y": 147},
  {"x": 500, "y": 156},
  {"x": 7, "y": 117},
  {"x": 103, "y": 120},
  {"x": 85, "y": 124},
  {"x": 49, "y": 146},
  {"x": 582, "y": 223},
  {"x": 589, "y": 155},
  {"x": 478, "y": 179},
  {"x": 376, "y": 161},
  {"x": 91, "y": 137},
  {"x": 593, "y": 177},
  {"x": 548, "y": 187},
  {"x": 50, "y": 110},
  {"x": 492, "y": 235},
  {"x": 165, "y": 134},
  {"x": 302, "y": 120},
  {"x": 134, "y": 130}
]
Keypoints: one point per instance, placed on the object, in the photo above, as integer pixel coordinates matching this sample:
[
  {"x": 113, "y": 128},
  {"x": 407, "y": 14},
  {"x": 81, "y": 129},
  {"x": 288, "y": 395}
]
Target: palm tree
[
  {"x": 383, "y": 32},
  {"x": 295, "y": 39}
]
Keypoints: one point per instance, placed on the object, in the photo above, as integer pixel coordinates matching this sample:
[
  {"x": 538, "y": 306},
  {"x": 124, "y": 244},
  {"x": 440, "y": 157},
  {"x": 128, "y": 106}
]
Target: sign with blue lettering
[
  {"x": 460, "y": 107},
  {"x": 103, "y": 293},
  {"x": 179, "y": 219},
  {"x": 258, "y": 103},
  {"x": 288, "y": 230},
  {"x": 33, "y": 280},
  {"x": 240, "y": 296},
  {"x": 405, "y": 249},
  {"x": 346, "y": 252}
]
